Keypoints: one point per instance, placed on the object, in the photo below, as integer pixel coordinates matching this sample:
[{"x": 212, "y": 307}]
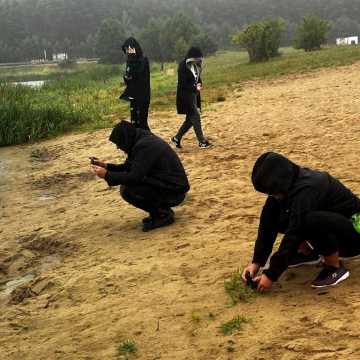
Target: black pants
[
  {"x": 328, "y": 233},
  {"x": 150, "y": 199},
  {"x": 139, "y": 114},
  {"x": 192, "y": 120}
]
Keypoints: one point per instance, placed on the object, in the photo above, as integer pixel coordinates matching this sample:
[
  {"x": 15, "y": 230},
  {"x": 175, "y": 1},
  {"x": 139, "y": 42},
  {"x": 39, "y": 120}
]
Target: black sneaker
[
  {"x": 204, "y": 145},
  {"x": 300, "y": 259},
  {"x": 330, "y": 276},
  {"x": 158, "y": 222},
  {"x": 176, "y": 142}
]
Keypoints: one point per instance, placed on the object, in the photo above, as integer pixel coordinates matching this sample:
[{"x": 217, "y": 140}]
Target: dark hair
[{"x": 194, "y": 52}]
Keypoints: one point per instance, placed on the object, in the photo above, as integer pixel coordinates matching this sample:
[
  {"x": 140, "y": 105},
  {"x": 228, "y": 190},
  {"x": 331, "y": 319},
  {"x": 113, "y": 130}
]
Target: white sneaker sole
[{"x": 344, "y": 277}]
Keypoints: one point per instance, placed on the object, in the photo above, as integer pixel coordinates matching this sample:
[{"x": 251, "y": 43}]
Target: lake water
[{"x": 33, "y": 84}]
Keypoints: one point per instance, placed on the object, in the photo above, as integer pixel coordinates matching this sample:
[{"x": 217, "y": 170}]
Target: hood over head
[
  {"x": 124, "y": 136},
  {"x": 133, "y": 43},
  {"x": 194, "y": 52},
  {"x": 273, "y": 174}
]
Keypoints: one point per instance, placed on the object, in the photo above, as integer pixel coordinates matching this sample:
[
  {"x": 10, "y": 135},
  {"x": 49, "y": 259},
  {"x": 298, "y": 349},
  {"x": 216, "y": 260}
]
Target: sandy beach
[{"x": 87, "y": 278}]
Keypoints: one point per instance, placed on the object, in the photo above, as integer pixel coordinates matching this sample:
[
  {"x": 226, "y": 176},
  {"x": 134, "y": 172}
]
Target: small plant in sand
[
  {"x": 127, "y": 347},
  {"x": 234, "y": 324},
  {"x": 237, "y": 290}
]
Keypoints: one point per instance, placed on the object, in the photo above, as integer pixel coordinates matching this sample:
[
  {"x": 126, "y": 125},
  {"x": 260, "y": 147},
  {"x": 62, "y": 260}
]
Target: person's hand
[
  {"x": 99, "y": 171},
  {"x": 199, "y": 86},
  {"x": 97, "y": 162},
  {"x": 264, "y": 283},
  {"x": 252, "y": 269}
]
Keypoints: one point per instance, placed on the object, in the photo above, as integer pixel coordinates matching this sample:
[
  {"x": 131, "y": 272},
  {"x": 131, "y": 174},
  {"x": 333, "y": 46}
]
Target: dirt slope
[{"x": 98, "y": 280}]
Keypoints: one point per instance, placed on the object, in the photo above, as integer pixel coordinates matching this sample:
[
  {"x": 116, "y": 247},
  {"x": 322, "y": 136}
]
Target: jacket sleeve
[
  {"x": 141, "y": 164},
  {"x": 268, "y": 231},
  {"x": 118, "y": 168},
  {"x": 304, "y": 202},
  {"x": 186, "y": 79}
]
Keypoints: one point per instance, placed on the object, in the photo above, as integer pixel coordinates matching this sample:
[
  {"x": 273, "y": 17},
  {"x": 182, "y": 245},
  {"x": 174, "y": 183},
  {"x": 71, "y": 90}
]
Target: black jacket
[
  {"x": 137, "y": 75},
  {"x": 150, "y": 161},
  {"x": 187, "y": 85},
  {"x": 306, "y": 190}
]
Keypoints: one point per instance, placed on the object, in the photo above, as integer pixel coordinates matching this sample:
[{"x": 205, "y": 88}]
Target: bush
[
  {"x": 311, "y": 33},
  {"x": 261, "y": 39}
]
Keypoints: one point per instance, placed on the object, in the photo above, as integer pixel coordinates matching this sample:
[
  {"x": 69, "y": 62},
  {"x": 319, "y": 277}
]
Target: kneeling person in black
[
  {"x": 308, "y": 207},
  {"x": 152, "y": 177}
]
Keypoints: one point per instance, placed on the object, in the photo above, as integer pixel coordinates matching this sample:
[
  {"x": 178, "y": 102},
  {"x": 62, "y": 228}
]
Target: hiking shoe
[
  {"x": 300, "y": 259},
  {"x": 330, "y": 276},
  {"x": 176, "y": 142},
  {"x": 158, "y": 222},
  {"x": 204, "y": 145}
]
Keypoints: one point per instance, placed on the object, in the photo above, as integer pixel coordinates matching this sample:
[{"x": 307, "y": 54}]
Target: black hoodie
[
  {"x": 305, "y": 190},
  {"x": 187, "y": 85},
  {"x": 137, "y": 76},
  {"x": 150, "y": 161}
]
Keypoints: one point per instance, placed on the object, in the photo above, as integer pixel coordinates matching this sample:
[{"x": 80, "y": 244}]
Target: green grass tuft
[
  {"x": 234, "y": 324},
  {"x": 237, "y": 290},
  {"x": 127, "y": 347}
]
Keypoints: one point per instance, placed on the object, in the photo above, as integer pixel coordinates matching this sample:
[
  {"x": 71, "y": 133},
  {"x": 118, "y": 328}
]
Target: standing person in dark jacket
[
  {"x": 137, "y": 81},
  {"x": 308, "y": 207},
  {"x": 188, "y": 99},
  {"x": 152, "y": 177}
]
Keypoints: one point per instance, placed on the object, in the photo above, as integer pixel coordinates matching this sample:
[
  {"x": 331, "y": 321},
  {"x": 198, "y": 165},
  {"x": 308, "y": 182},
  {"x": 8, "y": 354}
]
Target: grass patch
[
  {"x": 128, "y": 347},
  {"x": 237, "y": 290},
  {"x": 235, "y": 324},
  {"x": 83, "y": 97}
]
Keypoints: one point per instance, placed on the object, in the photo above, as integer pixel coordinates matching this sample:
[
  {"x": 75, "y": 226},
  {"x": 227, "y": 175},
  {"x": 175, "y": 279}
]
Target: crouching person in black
[
  {"x": 313, "y": 210},
  {"x": 152, "y": 177}
]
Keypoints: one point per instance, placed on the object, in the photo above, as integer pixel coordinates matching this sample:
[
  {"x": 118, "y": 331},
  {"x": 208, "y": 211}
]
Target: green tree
[
  {"x": 150, "y": 38},
  {"x": 109, "y": 39},
  {"x": 205, "y": 43},
  {"x": 178, "y": 27},
  {"x": 261, "y": 39},
  {"x": 311, "y": 33},
  {"x": 180, "y": 49}
]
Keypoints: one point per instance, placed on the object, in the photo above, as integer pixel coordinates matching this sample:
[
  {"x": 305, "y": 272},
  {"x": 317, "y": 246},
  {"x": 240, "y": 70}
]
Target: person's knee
[{"x": 125, "y": 193}]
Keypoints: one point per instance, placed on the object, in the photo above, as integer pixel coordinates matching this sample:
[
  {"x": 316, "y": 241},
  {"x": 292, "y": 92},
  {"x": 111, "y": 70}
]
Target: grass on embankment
[{"x": 87, "y": 96}]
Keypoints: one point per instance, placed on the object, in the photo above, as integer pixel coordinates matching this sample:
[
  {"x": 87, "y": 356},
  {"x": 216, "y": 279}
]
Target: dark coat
[
  {"x": 150, "y": 161},
  {"x": 137, "y": 75},
  {"x": 306, "y": 190},
  {"x": 186, "y": 89}
]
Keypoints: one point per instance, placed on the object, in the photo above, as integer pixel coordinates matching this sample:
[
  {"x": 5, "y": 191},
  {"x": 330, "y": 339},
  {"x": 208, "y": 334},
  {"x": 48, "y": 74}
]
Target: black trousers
[
  {"x": 139, "y": 114},
  {"x": 328, "y": 233},
  {"x": 192, "y": 120},
  {"x": 150, "y": 199}
]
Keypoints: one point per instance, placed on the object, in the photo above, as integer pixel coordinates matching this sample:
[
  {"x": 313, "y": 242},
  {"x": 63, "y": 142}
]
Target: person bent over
[
  {"x": 152, "y": 178},
  {"x": 313, "y": 210}
]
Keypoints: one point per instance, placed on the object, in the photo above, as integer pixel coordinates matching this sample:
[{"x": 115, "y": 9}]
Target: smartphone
[
  {"x": 250, "y": 282},
  {"x": 92, "y": 159}
]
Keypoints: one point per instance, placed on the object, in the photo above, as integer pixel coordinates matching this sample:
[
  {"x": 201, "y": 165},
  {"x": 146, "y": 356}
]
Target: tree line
[{"x": 30, "y": 27}]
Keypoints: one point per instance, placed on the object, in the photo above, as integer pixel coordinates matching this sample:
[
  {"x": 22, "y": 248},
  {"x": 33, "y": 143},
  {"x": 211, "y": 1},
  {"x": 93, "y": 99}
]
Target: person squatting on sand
[
  {"x": 309, "y": 207},
  {"x": 152, "y": 178},
  {"x": 188, "y": 99},
  {"x": 137, "y": 81}
]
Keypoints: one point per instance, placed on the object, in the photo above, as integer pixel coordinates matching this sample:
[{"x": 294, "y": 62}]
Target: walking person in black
[
  {"x": 188, "y": 99},
  {"x": 313, "y": 210},
  {"x": 137, "y": 81},
  {"x": 152, "y": 177}
]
